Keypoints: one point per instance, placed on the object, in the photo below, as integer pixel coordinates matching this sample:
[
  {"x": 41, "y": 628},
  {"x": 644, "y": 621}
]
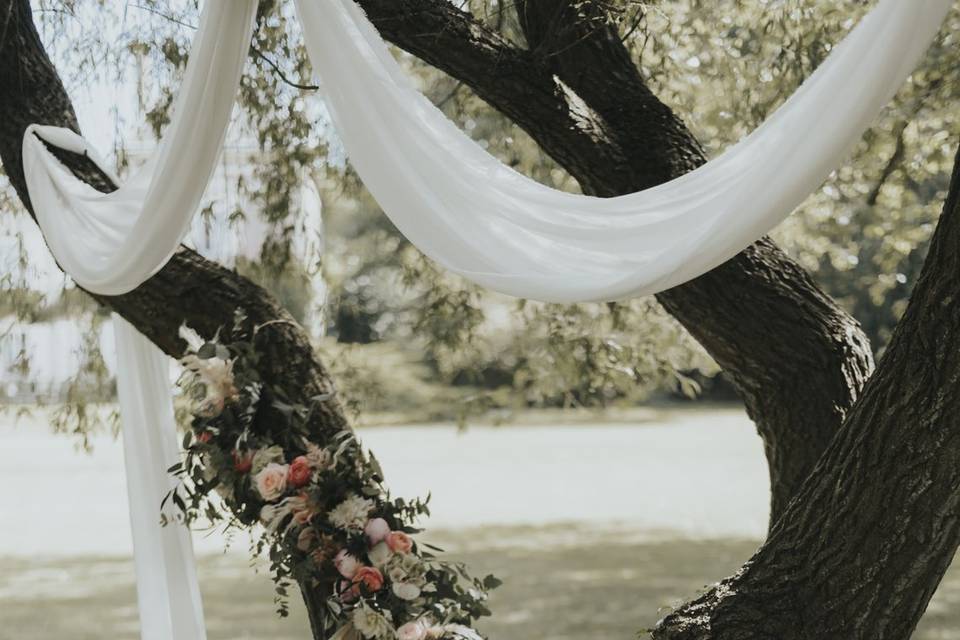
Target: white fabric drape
[
  {"x": 168, "y": 593},
  {"x": 109, "y": 244},
  {"x": 453, "y": 200},
  {"x": 480, "y": 218}
]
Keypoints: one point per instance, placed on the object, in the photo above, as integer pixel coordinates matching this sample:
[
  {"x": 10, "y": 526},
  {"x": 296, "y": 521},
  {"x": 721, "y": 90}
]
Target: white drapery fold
[
  {"x": 111, "y": 243},
  {"x": 168, "y": 594},
  {"x": 452, "y": 199},
  {"x": 480, "y": 218}
]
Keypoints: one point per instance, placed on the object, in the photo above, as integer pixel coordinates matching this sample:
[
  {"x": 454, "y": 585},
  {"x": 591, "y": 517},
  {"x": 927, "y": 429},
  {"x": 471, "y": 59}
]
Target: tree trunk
[{"x": 861, "y": 549}]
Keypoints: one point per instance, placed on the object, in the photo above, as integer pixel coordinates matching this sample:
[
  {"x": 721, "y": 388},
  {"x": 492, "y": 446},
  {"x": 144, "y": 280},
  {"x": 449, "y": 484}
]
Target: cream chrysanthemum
[
  {"x": 372, "y": 624},
  {"x": 351, "y": 514}
]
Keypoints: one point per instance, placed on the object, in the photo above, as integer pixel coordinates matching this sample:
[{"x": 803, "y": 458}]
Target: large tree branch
[{"x": 861, "y": 549}]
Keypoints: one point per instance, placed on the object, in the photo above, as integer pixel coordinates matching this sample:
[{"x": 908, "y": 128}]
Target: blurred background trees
[{"x": 403, "y": 336}]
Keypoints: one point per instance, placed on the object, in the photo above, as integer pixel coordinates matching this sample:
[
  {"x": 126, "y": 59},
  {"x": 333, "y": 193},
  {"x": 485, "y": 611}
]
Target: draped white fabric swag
[
  {"x": 109, "y": 244},
  {"x": 451, "y": 198}
]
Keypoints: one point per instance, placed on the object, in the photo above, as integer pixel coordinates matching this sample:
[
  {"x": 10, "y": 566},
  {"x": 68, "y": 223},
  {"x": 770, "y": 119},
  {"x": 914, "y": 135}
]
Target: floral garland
[{"x": 328, "y": 521}]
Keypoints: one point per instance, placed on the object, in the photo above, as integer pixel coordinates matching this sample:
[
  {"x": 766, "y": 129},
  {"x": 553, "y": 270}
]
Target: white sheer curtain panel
[{"x": 111, "y": 243}]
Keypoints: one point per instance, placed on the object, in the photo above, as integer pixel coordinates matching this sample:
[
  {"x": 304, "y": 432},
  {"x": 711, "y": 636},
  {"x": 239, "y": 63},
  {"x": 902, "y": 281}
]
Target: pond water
[
  {"x": 690, "y": 473},
  {"x": 597, "y": 529}
]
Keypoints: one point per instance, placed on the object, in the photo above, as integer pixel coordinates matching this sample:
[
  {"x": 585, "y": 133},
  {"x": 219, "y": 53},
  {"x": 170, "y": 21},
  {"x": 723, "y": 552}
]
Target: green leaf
[{"x": 491, "y": 582}]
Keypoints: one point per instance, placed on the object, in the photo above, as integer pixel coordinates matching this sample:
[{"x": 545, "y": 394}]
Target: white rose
[
  {"x": 406, "y": 591},
  {"x": 380, "y": 554}
]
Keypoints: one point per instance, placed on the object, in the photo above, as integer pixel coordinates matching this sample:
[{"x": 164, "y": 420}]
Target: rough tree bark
[
  {"x": 861, "y": 549},
  {"x": 754, "y": 314}
]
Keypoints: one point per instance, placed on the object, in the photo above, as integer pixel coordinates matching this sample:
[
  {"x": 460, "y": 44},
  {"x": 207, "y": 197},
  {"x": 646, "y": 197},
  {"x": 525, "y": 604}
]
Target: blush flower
[
  {"x": 300, "y": 508},
  {"x": 369, "y": 578},
  {"x": 399, "y": 542},
  {"x": 376, "y": 530},
  {"x": 271, "y": 482},
  {"x": 299, "y": 472},
  {"x": 415, "y": 630}
]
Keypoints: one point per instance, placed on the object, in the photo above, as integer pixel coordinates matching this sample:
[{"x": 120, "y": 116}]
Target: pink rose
[
  {"x": 399, "y": 542},
  {"x": 346, "y": 564},
  {"x": 412, "y": 631},
  {"x": 376, "y": 530},
  {"x": 369, "y": 578},
  {"x": 299, "y": 471},
  {"x": 271, "y": 482}
]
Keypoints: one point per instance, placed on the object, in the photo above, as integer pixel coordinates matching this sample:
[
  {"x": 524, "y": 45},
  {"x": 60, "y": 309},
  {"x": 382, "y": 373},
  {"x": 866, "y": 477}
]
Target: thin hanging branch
[{"x": 273, "y": 65}]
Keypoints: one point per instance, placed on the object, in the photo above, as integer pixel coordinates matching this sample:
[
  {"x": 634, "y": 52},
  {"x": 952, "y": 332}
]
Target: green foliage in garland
[{"x": 329, "y": 524}]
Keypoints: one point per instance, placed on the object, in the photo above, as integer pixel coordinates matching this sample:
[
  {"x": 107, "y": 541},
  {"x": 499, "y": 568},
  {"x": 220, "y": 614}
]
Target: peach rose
[
  {"x": 376, "y": 530},
  {"x": 271, "y": 482},
  {"x": 346, "y": 564},
  {"x": 369, "y": 578},
  {"x": 399, "y": 542},
  {"x": 299, "y": 472},
  {"x": 412, "y": 631}
]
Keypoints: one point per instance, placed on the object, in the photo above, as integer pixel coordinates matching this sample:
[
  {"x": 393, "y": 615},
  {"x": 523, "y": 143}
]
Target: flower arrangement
[{"x": 328, "y": 522}]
